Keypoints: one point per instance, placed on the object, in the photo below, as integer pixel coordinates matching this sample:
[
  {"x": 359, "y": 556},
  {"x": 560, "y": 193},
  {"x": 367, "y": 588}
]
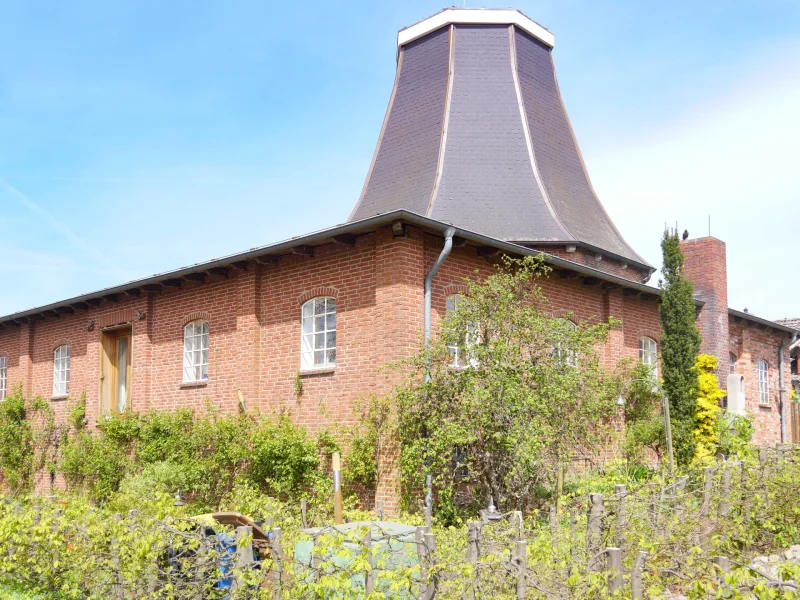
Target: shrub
[
  {"x": 708, "y": 411},
  {"x": 26, "y": 427},
  {"x": 532, "y": 397},
  {"x": 202, "y": 455}
]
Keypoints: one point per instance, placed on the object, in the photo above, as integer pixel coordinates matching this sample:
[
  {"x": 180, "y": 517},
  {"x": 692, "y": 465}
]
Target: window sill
[
  {"x": 765, "y": 406},
  {"x": 193, "y": 384},
  {"x": 320, "y": 371},
  {"x": 61, "y": 397}
]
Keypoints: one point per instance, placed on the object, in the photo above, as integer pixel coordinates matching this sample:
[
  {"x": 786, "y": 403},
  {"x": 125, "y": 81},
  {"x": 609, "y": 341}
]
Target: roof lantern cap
[{"x": 475, "y": 16}]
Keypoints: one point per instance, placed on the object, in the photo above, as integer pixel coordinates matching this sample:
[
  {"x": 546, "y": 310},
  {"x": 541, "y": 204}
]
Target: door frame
[{"x": 109, "y": 336}]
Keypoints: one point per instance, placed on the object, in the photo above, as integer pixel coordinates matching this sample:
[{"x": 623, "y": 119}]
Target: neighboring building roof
[
  {"x": 774, "y": 324},
  {"x": 476, "y": 134},
  {"x": 343, "y": 234},
  {"x": 793, "y": 323}
]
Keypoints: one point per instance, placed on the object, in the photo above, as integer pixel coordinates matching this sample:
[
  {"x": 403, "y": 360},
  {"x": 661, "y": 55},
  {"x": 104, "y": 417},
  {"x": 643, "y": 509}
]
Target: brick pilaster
[
  {"x": 248, "y": 336},
  {"x": 399, "y": 301}
]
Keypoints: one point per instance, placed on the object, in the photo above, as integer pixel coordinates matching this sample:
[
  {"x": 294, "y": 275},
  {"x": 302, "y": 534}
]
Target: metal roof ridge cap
[{"x": 475, "y": 16}]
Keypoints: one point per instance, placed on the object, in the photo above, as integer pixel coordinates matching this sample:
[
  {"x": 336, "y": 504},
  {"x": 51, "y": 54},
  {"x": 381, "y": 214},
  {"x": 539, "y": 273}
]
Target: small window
[
  {"x": 570, "y": 356},
  {"x": 61, "y": 371},
  {"x": 763, "y": 382},
  {"x": 3, "y": 376},
  {"x": 732, "y": 358},
  {"x": 648, "y": 355},
  {"x": 459, "y": 349},
  {"x": 195, "y": 351},
  {"x": 318, "y": 348}
]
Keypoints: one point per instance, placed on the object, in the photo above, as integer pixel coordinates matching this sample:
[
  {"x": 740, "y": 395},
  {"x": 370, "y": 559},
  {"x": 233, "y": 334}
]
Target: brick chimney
[{"x": 706, "y": 268}]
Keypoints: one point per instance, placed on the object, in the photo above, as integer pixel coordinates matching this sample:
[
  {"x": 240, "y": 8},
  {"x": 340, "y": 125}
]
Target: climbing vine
[{"x": 26, "y": 431}]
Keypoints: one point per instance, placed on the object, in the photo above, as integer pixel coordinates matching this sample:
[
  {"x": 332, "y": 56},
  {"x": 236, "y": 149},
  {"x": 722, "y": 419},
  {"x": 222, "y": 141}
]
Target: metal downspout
[
  {"x": 782, "y": 384},
  {"x": 448, "y": 246}
]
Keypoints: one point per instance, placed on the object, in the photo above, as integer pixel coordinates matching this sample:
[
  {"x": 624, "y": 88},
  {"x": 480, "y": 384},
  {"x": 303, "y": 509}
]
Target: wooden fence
[{"x": 595, "y": 538}]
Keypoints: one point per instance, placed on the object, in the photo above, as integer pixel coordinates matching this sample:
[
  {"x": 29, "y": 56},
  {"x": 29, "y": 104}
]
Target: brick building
[
  {"x": 794, "y": 359},
  {"x": 475, "y": 159}
]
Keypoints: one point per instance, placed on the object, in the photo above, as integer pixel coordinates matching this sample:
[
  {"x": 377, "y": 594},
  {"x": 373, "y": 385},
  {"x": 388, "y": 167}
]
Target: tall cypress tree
[{"x": 680, "y": 345}]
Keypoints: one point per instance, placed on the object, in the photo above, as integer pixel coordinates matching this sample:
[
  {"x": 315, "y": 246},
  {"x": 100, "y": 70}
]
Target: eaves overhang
[
  {"x": 754, "y": 319},
  {"x": 329, "y": 236}
]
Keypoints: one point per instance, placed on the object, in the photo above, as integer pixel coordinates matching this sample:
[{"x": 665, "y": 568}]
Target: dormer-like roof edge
[{"x": 330, "y": 235}]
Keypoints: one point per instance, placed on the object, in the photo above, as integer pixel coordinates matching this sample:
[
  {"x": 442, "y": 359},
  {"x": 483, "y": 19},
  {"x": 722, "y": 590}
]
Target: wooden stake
[
  {"x": 522, "y": 570},
  {"x": 614, "y": 557},
  {"x": 337, "y": 489},
  {"x": 708, "y": 481},
  {"x": 594, "y": 523},
  {"x": 369, "y": 578},
  {"x": 636, "y": 576},
  {"x": 622, "y": 516},
  {"x": 724, "y": 504}
]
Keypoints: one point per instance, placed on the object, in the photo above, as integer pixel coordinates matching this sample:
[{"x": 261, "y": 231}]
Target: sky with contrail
[{"x": 140, "y": 137}]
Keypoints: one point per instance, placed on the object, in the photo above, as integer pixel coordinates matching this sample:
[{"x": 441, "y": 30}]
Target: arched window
[
  {"x": 3, "y": 376},
  {"x": 648, "y": 354},
  {"x": 318, "y": 347},
  {"x": 570, "y": 356},
  {"x": 195, "y": 351},
  {"x": 61, "y": 371},
  {"x": 732, "y": 359},
  {"x": 763, "y": 382}
]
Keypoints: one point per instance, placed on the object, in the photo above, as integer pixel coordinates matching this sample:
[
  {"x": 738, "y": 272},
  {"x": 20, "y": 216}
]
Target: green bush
[
  {"x": 26, "y": 427},
  {"x": 204, "y": 456}
]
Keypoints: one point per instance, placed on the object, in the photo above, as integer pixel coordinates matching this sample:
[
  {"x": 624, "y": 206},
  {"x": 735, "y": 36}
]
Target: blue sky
[{"x": 138, "y": 137}]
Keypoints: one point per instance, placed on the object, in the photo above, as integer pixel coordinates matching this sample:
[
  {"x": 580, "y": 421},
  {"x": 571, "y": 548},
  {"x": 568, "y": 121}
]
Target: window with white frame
[
  {"x": 318, "y": 344},
  {"x": 195, "y": 351},
  {"x": 648, "y": 355},
  {"x": 732, "y": 359},
  {"x": 763, "y": 382},
  {"x": 61, "y": 371},
  {"x": 3, "y": 376},
  {"x": 569, "y": 356},
  {"x": 459, "y": 348}
]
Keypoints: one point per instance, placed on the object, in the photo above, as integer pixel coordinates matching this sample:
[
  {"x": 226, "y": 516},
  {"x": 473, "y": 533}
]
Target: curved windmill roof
[{"x": 476, "y": 134}]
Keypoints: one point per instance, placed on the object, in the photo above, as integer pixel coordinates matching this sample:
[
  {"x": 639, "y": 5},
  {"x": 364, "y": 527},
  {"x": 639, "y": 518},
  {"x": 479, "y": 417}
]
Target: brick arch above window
[
  {"x": 61, "y": 342},
  {"x": 198, "y": 315},
  {"x": 562, "y": 313},
  {"x": 451, "y": 289},
  {"x": 3, "y": 354},
  {"x": 649, "y": 333},
  {"x": 318, "y": 292}
]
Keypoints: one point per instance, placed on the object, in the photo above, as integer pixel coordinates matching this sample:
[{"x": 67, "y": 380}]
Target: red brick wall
[
  {"x": 254, "y": 318},
  {"x": 751, "y": 343},
  {"x": 706, "y": 268}
]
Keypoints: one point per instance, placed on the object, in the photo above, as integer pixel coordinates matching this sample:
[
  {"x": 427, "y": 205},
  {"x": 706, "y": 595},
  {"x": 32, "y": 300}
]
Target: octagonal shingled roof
[{"x": 476, "y": 134}]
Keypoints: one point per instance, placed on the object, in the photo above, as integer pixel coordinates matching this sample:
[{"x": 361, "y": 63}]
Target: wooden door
[{"x": 115, "y": 371}]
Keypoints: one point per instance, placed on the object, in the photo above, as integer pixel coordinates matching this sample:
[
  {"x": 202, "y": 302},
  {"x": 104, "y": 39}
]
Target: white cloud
[{"x": 736, "y": 159}]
